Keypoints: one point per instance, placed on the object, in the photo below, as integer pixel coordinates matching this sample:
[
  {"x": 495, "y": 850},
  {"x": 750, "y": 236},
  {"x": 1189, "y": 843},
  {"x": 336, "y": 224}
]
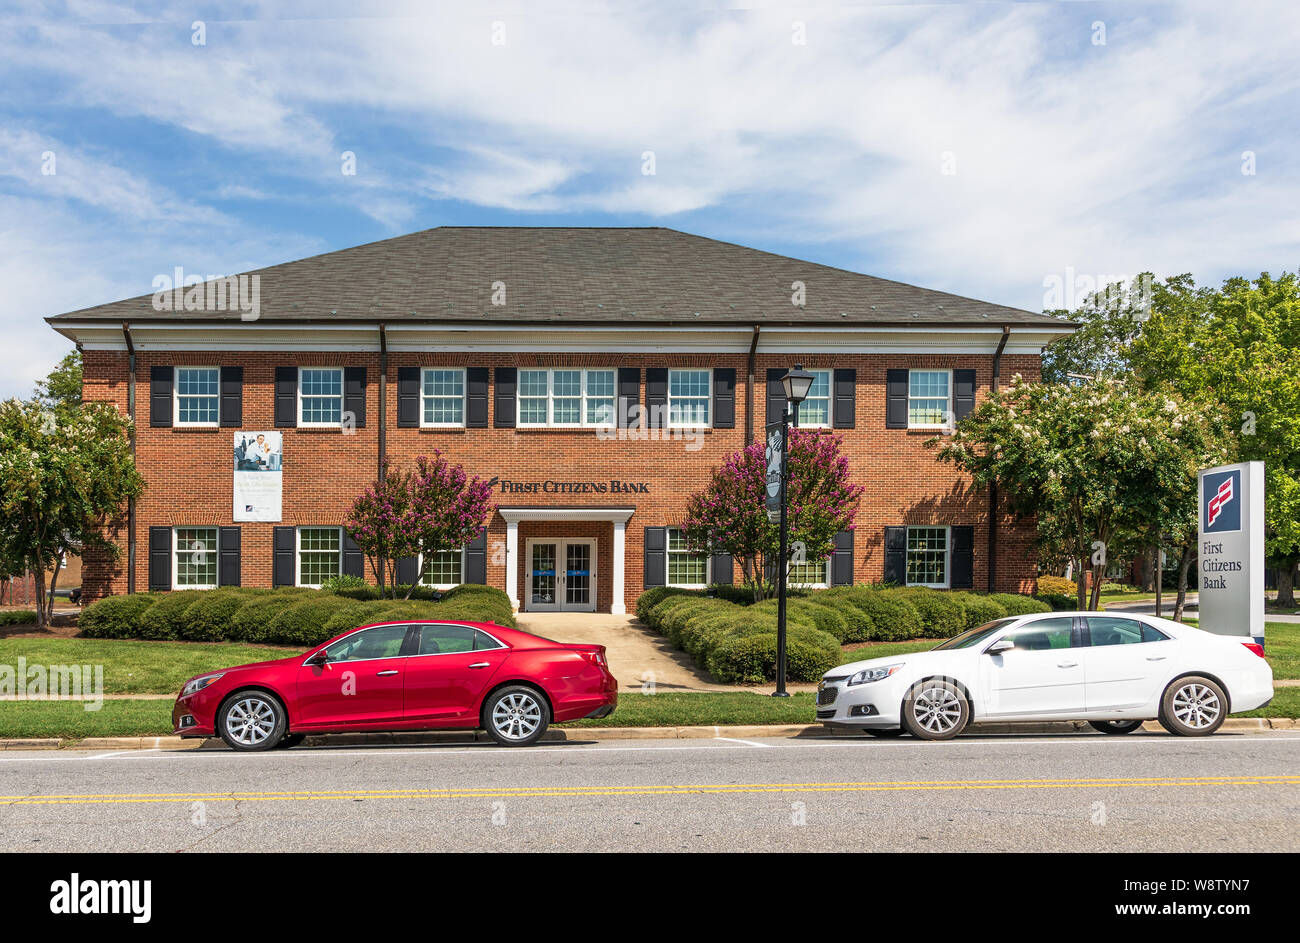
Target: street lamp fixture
[{"x": 796, "y": 383}]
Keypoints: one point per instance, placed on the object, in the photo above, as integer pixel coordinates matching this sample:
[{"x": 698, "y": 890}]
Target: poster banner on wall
[{"x": 257, "y": 476}]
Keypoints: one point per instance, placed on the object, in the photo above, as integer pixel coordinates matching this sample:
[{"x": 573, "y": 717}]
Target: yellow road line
[{"x": 572, "y": 792}]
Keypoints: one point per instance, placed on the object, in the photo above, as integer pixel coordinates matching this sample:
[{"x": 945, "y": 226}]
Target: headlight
[
  {"x": 198, "y": 684},
  {"x": 873, "y": 674}
]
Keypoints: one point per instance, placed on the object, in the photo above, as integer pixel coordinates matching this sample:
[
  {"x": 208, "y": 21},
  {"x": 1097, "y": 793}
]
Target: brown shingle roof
[{"x": 625, "y": 275}]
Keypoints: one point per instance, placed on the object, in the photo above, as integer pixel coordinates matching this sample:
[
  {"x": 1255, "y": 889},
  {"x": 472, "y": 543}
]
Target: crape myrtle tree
[
  {"x": 1097, "y": 460},
  {"x": 435, "y": 507},
  {"x": 729, "y": 515},
  {"x": 66, "y": 472}
]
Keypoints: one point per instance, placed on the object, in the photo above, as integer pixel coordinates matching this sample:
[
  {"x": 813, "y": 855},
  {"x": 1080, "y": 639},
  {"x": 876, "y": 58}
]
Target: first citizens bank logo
[
  {"x": 1222, "y": 509},
  {"x": 81, "y": 896}
]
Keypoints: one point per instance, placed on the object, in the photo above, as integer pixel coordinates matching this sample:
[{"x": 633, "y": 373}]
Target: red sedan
[{"x": 403, "y": 676}]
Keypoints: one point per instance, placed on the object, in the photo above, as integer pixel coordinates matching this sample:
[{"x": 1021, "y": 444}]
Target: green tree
[
  {"x": 1097, "y": 461},
  {"x": 1109, "y": 321},
  {"x": 63, "y": 385},
  {"x": 65, "y": 475}
]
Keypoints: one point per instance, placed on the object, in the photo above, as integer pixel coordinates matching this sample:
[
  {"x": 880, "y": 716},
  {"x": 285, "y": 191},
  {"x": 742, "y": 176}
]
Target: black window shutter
[
  {"x": 896, "y": 554},
  {"x": 408, "y": 571},
  {"x": 775, "y": 395},
  {"x": 844, "y": 390},
  {"x": 842, "y": 559},
  {"x": 656, "y": 556},
  {"x": 354, "y": 561},
  {"x": 476, "y": 397},
  {"x": 896, "y": 399},
  {"x": 724, "y": 398},
  {"x": 228, "y": 569},
  {"x": 507, "y": 379},
  {"x": 722, "y": 569},
  {"x": 962, "y": 567},
  {"x": 160, "y": 395},
  {"x": 284, "y": 549},
  {"x": 354, "y": 394},
  {"x": 656, "y": 399},
  {"x": 160, "y": 558},
  {"x": 408, "y": 396},
  {"x": 963, "y": 385},
  {"x": 286, "y": 398},
  {"x": 476, "y": 559},
  {"x": 629, "y": 395},
  {"x": 232, "y": 396}
]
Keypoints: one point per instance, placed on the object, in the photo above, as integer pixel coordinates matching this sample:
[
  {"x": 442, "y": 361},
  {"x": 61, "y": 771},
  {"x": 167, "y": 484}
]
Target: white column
[
  {"x": 617, "y": 607},
  {"x": 512, "y": 563}
]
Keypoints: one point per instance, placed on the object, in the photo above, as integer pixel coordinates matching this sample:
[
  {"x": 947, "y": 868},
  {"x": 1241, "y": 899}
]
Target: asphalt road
[{"x": 1147, "y": 792}]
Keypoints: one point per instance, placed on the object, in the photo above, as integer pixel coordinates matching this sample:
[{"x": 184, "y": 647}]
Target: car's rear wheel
[
  {"x": 935, "y": 710},
  {"x": 251, "y": 720},
  {"x": 1193, "y": 707},
  {"x": 516, "y": 716},
  {"x": 290, "y": 740},
  {"x": 1114, "y": 726},
  {"x": 886, "y": 733}
]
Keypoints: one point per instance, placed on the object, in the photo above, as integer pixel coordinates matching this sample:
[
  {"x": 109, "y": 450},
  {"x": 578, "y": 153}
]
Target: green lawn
[
  {"x": 68, "y": 720},
  {"x": 138, "y": 667},
  {"x": 686, "y": 709}
]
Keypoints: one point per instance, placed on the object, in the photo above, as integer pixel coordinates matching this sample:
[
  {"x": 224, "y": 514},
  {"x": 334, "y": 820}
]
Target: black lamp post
[{"x": 796, "y": 384}]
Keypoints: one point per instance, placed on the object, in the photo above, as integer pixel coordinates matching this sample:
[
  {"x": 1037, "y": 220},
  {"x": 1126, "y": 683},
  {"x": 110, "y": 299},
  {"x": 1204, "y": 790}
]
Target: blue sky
[{"x": 979, "y": 148}]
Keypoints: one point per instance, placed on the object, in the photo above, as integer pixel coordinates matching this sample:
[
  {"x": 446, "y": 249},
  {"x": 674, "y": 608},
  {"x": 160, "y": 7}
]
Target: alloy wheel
[
  {"x": 516, "y": 716},
  {"x": 1196, "y": 706},
  {"x": 936, "y": 709},
  {"x": 250, "y": 720}
]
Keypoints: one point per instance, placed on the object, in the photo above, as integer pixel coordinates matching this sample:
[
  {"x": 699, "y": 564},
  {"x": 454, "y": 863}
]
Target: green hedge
[
  {"x": 17, "y": 616},
  {"x": 289, "y": 616}
]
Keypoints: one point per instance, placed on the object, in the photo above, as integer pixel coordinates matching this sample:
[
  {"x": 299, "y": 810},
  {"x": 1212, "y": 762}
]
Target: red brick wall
[{"x": 188, "y": 472}]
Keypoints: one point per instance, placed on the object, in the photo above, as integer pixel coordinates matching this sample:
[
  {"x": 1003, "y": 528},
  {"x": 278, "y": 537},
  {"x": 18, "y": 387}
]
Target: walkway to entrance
[{"x": 635, "y": 653}]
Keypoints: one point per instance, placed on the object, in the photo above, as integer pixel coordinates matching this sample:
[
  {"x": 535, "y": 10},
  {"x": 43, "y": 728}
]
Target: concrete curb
[{"x": 590, "y": 734}]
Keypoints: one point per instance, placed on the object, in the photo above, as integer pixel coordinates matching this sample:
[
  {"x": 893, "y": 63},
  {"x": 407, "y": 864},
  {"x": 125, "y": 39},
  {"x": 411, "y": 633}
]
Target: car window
[
  {"x": 973, "y": 636},
  {"x": 441, "y": 639},
  {"x": 1111, "y": 630},
  {"x": 1043, "y": 634},
  {"x": 383, "y": 641}
]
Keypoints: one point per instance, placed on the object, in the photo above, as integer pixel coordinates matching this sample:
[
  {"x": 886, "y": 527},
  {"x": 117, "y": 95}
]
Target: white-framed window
[
  {"x": 573, "y": 397},
  {"x": 442, "y": 397},
  {"x": 320, "y": 554},
  {"x": 686, "y": 570},
  {"x": 811, "y": 574},
  {"x": 442, "y": 569},
  {"x": 690, "y": 397},
  {"x": 929, "y": 399},
  {"x": 927, "y": 557},
  {"x": 815, "y": 410},
  {"x": 197, "y": 396},
  {"x": 194, "y": 558},
  {"x": 320, "y": 396}
]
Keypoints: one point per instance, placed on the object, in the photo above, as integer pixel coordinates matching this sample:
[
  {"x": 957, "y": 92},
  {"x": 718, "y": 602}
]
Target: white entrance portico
[{"x": 578, "y": 595}]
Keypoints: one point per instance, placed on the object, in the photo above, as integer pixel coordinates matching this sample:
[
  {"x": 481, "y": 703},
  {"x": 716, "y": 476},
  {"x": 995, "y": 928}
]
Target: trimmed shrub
[
  {"x": 740, "y": 594},
  {"x": 823, "y": 617},
  {"x": 343, "y": 583},
  {"x": 209, "y": 617},
  {"x": 655, "y": 595},
  {"x": 1059, "y": 603},
  {"x": 303, "y": 623},
  {"x": 672, "y": 623},
  {"x": 743, "y": 659},
  {"x": 1019, "y": 605},
  {"x": 165, "y": 619},
  {"x": 980, "y": 609},
  {"x": 941, "y": 615},
  {"x": 1056, "y": 586},
  {"x": 658, "y": 613},
  {"x": 116, "y": 616},
  {"x": 893, "y": 618},
  {"x": 252, "y": 620},
  {"x": 345, "y": 620}
]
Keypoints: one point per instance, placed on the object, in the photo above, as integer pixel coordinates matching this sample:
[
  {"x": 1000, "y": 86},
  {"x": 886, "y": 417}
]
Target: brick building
[{"x": 597, "y": 375}]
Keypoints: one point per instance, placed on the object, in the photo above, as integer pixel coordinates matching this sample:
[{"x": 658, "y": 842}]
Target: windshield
[{"x": 973, "y": 636}]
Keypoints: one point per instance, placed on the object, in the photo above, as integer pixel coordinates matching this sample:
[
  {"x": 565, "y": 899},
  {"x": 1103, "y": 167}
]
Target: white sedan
[{"x": 1114, "y": 671}]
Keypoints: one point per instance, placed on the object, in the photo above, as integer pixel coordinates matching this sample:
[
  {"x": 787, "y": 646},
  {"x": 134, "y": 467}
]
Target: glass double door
[{"x": 561, "y": 575}]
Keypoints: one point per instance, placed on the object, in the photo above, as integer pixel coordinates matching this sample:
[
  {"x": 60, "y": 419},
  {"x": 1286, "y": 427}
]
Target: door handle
[
  {"x": 480, "y": 664},
  {"x": 390, "y": 671},
  {"x": 1155, "y": 658},
  {"x": 1067, "y": 664}
]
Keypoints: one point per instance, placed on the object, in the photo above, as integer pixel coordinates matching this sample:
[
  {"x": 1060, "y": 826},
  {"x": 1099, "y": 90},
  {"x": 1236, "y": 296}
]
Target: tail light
[
  {"x": 595, "y": 657},
  {"x": 1255, "y": 647}
]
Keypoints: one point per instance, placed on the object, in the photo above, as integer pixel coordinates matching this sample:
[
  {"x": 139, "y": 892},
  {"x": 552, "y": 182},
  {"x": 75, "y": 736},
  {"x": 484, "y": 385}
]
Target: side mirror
[
  {"x": 1000, "y": 646},
  {"x": 320, "y": 658}
]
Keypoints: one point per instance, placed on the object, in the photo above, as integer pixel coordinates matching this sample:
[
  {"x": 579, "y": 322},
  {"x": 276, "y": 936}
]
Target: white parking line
[{"x": 748, "y": 743}]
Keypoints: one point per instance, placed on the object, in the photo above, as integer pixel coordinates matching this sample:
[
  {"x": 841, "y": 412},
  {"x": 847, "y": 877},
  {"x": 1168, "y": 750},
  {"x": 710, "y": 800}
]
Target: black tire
[
  {"x": 1115, "y": 726},
  {"x": 509, "y": 712},
  {"x": 1193, "y": 706},
  {"x": 290, "y": 740},
  {"x": 935, "y": 710},
  {"x": 251, "y": 721},
  {"x": 885, "y": 733}
]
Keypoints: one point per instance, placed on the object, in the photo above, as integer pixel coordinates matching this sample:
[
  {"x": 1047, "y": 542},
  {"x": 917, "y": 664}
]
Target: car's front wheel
[
  {"x": 1193, "y": 707},
  {"x": 516, "y": 716},
  {"x": 251, "y": 720},
  {"x": 1115, "y": 726},
  {"x": 935, "y": 710}
]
